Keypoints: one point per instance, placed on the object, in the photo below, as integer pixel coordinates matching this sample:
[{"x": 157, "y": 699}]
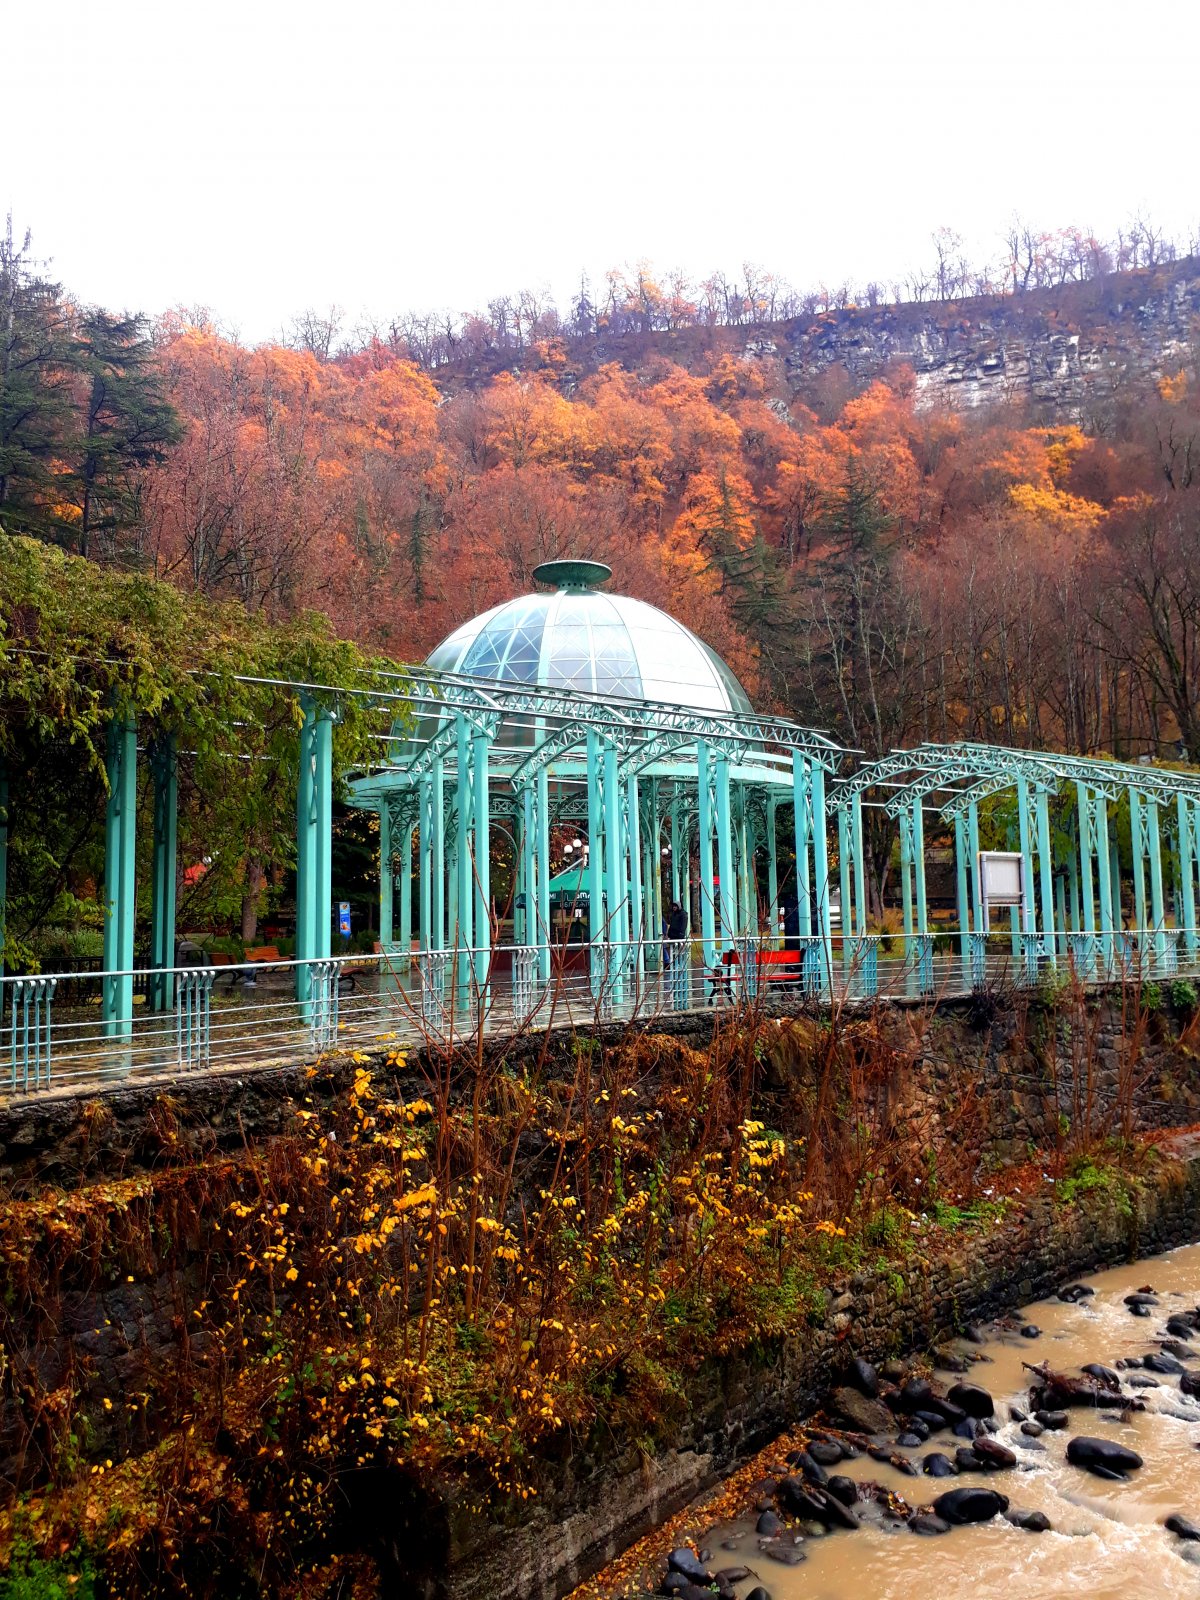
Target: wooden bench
[{"x": 263, "y": 952}]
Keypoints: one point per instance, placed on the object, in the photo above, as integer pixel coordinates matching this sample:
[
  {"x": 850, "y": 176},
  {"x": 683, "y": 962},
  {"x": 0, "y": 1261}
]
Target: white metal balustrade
[{"x": 287, "y": 1012}]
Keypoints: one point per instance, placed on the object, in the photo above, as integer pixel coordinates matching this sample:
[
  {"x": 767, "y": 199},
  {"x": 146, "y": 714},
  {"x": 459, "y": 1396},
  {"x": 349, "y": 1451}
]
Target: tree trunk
[{"x": 251, "y": 898}]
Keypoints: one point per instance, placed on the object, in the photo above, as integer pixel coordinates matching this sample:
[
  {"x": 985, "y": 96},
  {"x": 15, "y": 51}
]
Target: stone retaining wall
[{"x": 592, "y": 1507}]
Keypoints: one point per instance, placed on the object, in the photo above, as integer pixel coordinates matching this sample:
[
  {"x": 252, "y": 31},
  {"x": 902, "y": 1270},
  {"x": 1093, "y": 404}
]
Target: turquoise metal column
[
  {"x": 464, "y": 888},
  {"x": 963, "y": 903},
  {"x": 1028, "y": 919},
  {"x": 1103, "y": 873},
  {"x": 525, "y": 922},
  {"x": 727, "y": 887},
  {"x": 1087, "y": 898},
  {"x": 542, "y": 926},
  {"x": 905, "y": 820},
  {"x": 3, "y": 862},
  {"x": 655, "y": 865},
  {"x": 161, "y": 988},
  {"x": 1187, "y": 874},
  {"x": 679, "y": 849},
  {"x": 918, "y": 820},
  {"x": 973, "y": 847},
  {"x": 1046, "y": 870},
  {"x": 860, "y": 866},
  {"x": 1138, "y": 851},
  {"x": 639, "y": 927},
  {"x": 426, "y": 862},
  {"x": 802, "y": 826},
  {"x": 120, "y": 868},
  {"x": 405, "y": 857},
  {"x": 844, "y": 865},
  {"x": 707, "y": 891},
  {"x": 306, "y": 850},
  {"x": 614, "y": 863},
  {"x": 323, "y": 873},
  {"x": 1114, "y": 867},
  {"x": 1060, "y": 900},
  {"x": 437, "y": 845},
  {"x": 1158, "y": 913},
  {"x": 597, "y": 922},
  {"x": 820, "y": 852},
  {"x": 386, "y": 878},
  {"x": 773, "y": 861},
  {"x": 483, "y": 863}
]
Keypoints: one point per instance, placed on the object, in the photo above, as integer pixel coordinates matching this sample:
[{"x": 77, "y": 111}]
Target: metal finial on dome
[{"x": 572, "y": 574}]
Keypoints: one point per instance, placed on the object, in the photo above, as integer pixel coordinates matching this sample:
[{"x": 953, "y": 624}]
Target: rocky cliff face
[{"x": 1065, "y": 352}]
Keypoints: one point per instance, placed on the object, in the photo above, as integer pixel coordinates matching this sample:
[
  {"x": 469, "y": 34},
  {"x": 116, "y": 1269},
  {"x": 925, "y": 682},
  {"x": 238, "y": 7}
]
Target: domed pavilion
[{"x": 605, "y": 762}]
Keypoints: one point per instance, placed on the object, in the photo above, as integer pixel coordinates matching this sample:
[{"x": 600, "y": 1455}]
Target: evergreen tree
[
  {"x": 35, "y": 390},
  {"x": 124, "y": 424}
]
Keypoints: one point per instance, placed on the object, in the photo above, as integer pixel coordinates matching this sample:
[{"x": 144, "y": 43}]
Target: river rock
[
  {"x": 1052, "y": 1419},
  {"x": 784, "y": 1551},
  {"x": 733, "y": 1574},
  {"x": 859, "y": 1412},
  {"x": 1075, "y": 1291},
  {"x": 969, "y": 1505},
  {"x": 843, "y": 1489},
  {"x": 910, "y": 1441},
  {"x": 969, "y": 1397},
  {"x": 1177, "y": 1348},
  {"x": 826, "y": 1451},
  {"x": 948, "y": 1359},
  {"x": 688, "y": 1564},
  {"x": 928, "y": 1523},
  {"x": 808, "y": 1468},
  {"x": 1104, "y": 1457},
  {"x": 1032, "y": 1429},
  {"x": 861, "y": 1375},
  {"x": 938, "y": 1465},
  {"x": 1182, "y": 1526},
  {"x": 1180, "y": 1326},
  {"x": 975, "y": 1333},
  {"x": 994, "y": 1455},
  {"x": 932, "y": 1420},
  {"x": 768, "y": 1525},
  {"x": 917, "y": 1394},
  {"x": 1031, "y": 1331},
  {"x": 965, "y": 1459},
  {"x": 1031, "y": 1521},
  {"x": 1189, "y": 1383},
  {"x": 1159, "y": 1361},
  {"x": 759, "y": 1594}
]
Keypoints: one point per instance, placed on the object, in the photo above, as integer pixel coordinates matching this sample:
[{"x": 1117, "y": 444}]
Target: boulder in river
[
  {"x": 842, "y": 1488},
  {"x": 1189, "y": 1383},
  {"x": 1031, "y": 1331},
  {"x": 938, "y": 1465},
  {"x": 769, "y": 1525},
  {"x": 1159, "y": 1361},
  {"x": 994, "y": 1455},
  {"x": 972, "y": 1399},
  {"x": 1185, "y": 1528},
  {"x": 759, "y": 1594},
  {"x": 826, "y": 1451},
  {"x": 1052, "y": 1419},
  {"x": 785, "y": 1551},
  {"x": 970, "y": 1505},
  {"x": 928, "y": 1523},
  {"x": 1032, "y": 1429},
  {"x": 1075, "y": 1291},
  {"x": 1031, "y": 1521},
  {"x": 1104, "y": 1457},
  {"x": 860, "y": 1412},
  {"x": 1177, "y": 1348},
  {"x": 688, "y": 1564},
  {"x": 861, "y": 1375}
]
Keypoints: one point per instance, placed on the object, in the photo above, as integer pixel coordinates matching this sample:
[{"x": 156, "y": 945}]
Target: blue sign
[{"x": 343, "y": 916}]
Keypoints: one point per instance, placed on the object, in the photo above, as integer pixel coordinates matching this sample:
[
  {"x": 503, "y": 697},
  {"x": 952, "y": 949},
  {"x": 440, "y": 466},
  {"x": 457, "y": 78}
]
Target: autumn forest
[{"x": 883, "y": 568}]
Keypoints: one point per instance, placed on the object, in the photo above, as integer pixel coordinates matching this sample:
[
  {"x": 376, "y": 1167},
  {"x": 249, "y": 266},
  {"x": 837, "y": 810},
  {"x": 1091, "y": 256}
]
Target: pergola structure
[{"x": 569, "y": 713}]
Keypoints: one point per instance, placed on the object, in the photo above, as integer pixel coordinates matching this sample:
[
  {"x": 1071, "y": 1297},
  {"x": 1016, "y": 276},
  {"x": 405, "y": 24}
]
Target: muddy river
[{"x": 1106, "y": 1538}]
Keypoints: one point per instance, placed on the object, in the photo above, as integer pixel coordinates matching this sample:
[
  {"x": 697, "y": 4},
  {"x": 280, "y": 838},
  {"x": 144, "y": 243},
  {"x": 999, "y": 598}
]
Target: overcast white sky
[{"x": 258, "y": 157}]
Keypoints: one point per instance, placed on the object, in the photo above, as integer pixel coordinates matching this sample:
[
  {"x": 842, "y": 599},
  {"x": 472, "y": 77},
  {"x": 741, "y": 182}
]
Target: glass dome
[{"x": 606, "y": 644}]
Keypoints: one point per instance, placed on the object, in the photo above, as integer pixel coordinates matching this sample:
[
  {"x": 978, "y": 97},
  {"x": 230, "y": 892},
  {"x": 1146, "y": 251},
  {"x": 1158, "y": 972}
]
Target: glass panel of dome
[
  {"x": 614, "y": 655},
  {"x": 569, "y": 645}
]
